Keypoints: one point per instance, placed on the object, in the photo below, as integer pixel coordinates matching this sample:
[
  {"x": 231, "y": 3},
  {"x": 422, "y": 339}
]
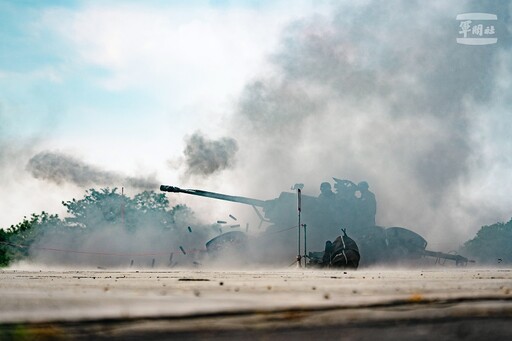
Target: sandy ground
[{"x": 445, "y": 303}]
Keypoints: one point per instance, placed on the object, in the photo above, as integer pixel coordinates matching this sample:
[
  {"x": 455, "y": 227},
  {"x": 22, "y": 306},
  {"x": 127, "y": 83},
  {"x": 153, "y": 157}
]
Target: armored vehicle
[{"x": 350, "y": 207}]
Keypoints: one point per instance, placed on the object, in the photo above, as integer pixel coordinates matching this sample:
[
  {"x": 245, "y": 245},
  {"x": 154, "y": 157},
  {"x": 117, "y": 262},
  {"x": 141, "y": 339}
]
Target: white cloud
[{"x": 180, "y": 53}]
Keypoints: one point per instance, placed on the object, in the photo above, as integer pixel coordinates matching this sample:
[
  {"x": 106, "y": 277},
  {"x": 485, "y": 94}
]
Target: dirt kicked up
[{"x": 443, "y": 303}]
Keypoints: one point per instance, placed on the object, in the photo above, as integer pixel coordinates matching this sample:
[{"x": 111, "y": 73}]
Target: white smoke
[{"x": 380, "y": 92}]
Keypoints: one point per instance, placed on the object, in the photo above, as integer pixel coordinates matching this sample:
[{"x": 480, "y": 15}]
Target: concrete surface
[{"x": 445, "y": 303}]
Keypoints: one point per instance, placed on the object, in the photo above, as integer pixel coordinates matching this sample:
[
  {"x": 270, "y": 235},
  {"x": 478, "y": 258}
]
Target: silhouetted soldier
[
  {"x": 326, "y": 192},
  {"x": 346, "y": 202},
  {"x": 325, "y": 212},
  {"x": 366, "y": 205}
]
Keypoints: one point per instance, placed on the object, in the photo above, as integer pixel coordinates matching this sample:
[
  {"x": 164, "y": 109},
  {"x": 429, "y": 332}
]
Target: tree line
[
  {"x": 98, "y": 209},
  {"x": 105, "y": 208}
]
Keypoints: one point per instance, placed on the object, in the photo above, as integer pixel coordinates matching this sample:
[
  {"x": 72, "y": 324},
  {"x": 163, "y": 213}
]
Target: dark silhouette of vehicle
[{"x": 352, "y": 208}]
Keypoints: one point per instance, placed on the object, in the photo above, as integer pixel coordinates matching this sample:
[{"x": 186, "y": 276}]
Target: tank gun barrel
[{"x": 213, "y": 195}]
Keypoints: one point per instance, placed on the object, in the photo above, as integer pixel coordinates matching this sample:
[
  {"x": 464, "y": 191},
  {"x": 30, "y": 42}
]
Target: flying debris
[
  {"x": 183, "y": 250},
  {"x": 234, "y": 226},
  {"x": 189, "y": 229},
  {"x": 350, "y": 208},
  {"x": 221, "y": 222},
  {"x": 232, "y": 217},
  {"x": 171, "y": 263}
]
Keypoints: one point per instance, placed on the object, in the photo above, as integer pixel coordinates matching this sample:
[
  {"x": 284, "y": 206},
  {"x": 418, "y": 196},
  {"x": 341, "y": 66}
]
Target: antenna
[
  {"x": 305, "y": 245},
  {"x": 299, "y": 188}
]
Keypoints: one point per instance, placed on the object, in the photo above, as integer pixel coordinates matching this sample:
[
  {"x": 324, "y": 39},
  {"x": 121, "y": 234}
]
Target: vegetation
[
  {"x": 492, "y": 244},
  {"x": 98, "y": 209}
]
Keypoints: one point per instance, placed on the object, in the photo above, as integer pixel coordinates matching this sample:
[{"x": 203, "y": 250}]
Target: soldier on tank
[
  {"x": 324, "y": 213},
  {"x": 346, "y": 202},
  {"x": 366, "y": 205},
  {"x": 326, "y": 193}
]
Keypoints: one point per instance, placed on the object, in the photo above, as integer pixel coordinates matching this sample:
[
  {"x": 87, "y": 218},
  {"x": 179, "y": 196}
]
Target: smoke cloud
[
  {"x": 205, "y": 156},
  {"x": 379, "y": 92},
  {"x": 60, "y": 168}
]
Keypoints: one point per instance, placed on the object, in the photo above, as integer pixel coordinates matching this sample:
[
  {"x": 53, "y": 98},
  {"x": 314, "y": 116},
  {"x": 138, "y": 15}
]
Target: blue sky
[{"x": 43, "y": 80}]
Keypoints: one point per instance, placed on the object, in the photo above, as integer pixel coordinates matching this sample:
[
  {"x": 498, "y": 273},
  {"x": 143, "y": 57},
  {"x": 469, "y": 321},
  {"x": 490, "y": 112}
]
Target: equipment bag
[{"x": 342, "y": 253}]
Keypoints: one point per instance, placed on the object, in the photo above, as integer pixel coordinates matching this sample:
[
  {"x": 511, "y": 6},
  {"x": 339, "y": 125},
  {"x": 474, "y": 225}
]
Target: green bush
[
  {"x": 98, "y": 209},
  {"x": 492, "y": 244}
]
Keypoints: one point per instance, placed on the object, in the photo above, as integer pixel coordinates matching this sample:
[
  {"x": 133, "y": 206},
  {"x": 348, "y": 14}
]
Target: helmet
[
  {"x": 325, "y": 186},
  {"x": 363, "y": 185}
]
